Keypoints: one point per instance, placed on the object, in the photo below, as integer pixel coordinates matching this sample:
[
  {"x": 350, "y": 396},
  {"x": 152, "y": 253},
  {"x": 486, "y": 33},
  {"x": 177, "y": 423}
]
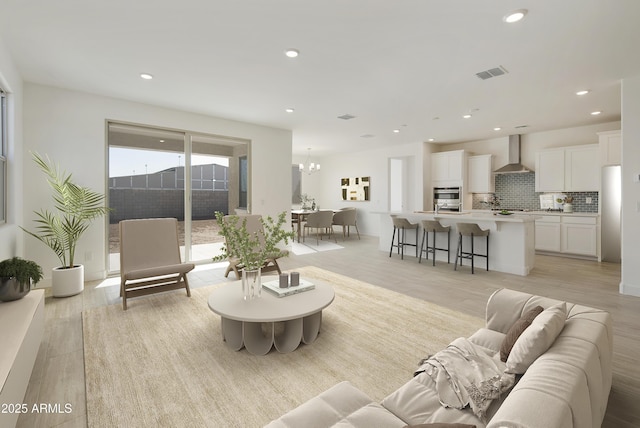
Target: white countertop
[
  {"x": 560, "y": 213},
  {"x": 479, "y": 215}
]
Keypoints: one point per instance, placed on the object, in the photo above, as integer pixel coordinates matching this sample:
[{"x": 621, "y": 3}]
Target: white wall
[
  {"x": 630, "y": 283},
  {"x": 324, "y": 185},
  {"x": 11, "y": 237},
  {"x": 70, "y": 127}
]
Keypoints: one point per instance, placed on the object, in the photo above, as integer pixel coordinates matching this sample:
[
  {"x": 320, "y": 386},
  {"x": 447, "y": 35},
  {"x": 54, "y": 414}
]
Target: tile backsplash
[{"x": 517, "y": 191}]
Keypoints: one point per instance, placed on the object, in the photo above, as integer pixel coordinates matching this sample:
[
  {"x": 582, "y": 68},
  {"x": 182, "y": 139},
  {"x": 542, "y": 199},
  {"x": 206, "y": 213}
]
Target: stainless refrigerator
[{"x": 610, "y": 208}]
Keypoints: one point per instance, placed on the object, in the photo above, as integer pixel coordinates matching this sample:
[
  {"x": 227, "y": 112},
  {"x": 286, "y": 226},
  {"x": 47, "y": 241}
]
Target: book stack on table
[{"x": 274, "y": 287}]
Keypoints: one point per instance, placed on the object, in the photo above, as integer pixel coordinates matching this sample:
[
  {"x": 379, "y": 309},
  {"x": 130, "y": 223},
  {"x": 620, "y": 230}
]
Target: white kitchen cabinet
[
  {"x": 579, "y": 236},
  {"x": 568, "y": 169},
  {"x": 610, "y": 147},
  {"x": 550, "y": 170},
  {"x": 548, "y": 234},
  {"x": 565, "y": 234},
  {"x": 582, "y": 168},
  {"x": 480, "y": 174},
  {"x": 448, "y": 168}
]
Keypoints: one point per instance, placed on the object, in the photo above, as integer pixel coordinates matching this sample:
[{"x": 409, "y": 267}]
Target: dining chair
[
  {"x": 322, "y": 222},
  {"x": 346, "y": 218}
]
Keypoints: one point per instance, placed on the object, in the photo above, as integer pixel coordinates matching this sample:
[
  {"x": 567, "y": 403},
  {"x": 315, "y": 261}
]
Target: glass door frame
[{"x": 188, "y": 143}]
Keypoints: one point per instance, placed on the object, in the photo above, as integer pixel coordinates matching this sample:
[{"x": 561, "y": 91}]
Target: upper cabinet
[
  {"x": 550, "y": 170},
  {"x": 448, "y": 168},
  {"x": 582, "y": 168},
  {"x": 610, "y": 147},
  {"x": 568, "y": 169},
  {"x": 480, "y": 174}
]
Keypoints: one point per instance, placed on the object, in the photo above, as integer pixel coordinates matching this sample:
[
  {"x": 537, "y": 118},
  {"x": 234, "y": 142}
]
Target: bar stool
[
  {"x": 472, "y": 230},
  {"x": 401, "y": 224},
  {"x": 434, "y": 226}
]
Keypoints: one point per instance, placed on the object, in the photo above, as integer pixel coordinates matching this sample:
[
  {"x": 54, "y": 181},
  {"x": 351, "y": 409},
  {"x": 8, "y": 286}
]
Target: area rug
[{"x": 163, "y": 362}]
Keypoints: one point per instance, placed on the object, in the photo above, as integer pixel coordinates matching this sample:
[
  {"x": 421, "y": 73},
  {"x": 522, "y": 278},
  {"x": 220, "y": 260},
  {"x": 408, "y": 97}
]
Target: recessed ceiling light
[
  {"x": 595, "y": 113},
  {"x": 289, "y": 110},
  {"x": 466, "y": 116},
  {"x": 514, "y": 16},
  {"x": 497, "y": 128},
  {"x": 146, "y": 76},
  {"x": 346, "y": 116},
  {"x": 396, "y": 131},
  {"x": 162, "y": 141},
  {"x": 583, "y": 92},
  {"x": 431, "y": 139},
  {"x": 292, "y": 53}
]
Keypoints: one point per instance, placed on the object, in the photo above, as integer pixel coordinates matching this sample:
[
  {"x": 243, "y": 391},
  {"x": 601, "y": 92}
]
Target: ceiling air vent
[
  {"x": 493, "y": 72},
  {"x": 346, "y": 116}
]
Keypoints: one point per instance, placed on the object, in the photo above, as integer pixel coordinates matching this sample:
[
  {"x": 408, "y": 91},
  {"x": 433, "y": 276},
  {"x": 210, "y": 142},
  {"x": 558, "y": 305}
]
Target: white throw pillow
[{"x": 537, "y": 338}]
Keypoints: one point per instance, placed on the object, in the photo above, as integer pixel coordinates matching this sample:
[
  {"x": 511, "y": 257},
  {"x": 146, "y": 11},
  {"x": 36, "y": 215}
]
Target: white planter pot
[{"x": 67, "y": 282}]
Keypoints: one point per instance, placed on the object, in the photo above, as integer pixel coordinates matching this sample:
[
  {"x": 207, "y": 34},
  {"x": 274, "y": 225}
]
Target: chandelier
[{"x": 309, "y": 166}]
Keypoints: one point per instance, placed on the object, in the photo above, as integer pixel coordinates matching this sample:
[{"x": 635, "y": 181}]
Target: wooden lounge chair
[
  {"x": 150, "y": 258},
  {"x": 253, "y": 225}
]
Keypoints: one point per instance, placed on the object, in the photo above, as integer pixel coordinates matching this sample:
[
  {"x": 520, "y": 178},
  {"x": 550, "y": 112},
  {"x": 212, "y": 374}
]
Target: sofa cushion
[
  {"x": 536, "y": 339},
  {"x": 488, "y": 339},
  {"x": 417, "y": 402},
  {"x": 516, "y": 330},
  {"x": 342, "y": 405},
  {"x": 441, "y": 425},
  {"x": 550, "y": 394}
]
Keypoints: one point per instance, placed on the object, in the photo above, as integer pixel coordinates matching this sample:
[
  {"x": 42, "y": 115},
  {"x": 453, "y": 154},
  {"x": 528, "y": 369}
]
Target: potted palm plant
[
  {"x": 16, "y": 277},
  {"x": 252, "y": 250},
  {"x": 75, "y": 208}
]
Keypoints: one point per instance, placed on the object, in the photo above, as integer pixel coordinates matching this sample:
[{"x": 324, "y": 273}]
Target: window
[{"x": 3, "y": 156}]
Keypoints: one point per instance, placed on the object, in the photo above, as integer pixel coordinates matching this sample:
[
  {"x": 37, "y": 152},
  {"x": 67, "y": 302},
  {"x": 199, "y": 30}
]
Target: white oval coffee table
[{"x": 242, "y": 320}]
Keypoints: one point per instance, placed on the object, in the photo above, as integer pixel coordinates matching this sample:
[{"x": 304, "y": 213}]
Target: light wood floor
[{"x": 58, "y": 375}]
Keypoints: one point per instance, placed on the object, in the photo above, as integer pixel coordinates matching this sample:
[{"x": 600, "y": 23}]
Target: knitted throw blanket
[{"x": 464, "y": 374}]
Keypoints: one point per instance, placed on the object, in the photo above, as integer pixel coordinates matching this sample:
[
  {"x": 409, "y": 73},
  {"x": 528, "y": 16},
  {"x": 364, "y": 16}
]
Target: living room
[{"x": 69, "y": 125}]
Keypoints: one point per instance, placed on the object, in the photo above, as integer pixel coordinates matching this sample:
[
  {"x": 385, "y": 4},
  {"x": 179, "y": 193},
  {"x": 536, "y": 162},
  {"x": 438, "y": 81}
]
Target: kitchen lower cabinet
[
  {"x": 579, "y": 236},
  {"x": 548, "y": 234},
  {"x": 569, "y": 235}
]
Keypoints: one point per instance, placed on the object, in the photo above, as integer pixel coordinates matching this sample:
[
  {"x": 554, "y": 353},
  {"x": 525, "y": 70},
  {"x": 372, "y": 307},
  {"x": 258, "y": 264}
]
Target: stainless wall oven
[{"x": 447, "y": 198}]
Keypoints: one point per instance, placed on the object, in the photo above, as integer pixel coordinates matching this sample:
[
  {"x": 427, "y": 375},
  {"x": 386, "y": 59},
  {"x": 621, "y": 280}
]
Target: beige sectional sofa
[{"x": 567, "y": 386}]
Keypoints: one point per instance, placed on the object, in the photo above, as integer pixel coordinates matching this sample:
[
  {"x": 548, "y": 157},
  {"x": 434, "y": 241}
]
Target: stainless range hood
[{"x": 514, "y": 166}]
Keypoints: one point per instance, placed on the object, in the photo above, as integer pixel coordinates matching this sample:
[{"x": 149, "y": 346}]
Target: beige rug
[{"x": 163, "y": 362}]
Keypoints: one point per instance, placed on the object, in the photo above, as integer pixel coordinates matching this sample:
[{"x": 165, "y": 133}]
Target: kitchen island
[{"x": 511, "y": 240}]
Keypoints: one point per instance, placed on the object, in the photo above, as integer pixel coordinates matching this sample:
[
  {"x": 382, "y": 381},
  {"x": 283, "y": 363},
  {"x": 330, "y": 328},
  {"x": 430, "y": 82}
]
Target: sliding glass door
[{"x": 159, "y": 173}]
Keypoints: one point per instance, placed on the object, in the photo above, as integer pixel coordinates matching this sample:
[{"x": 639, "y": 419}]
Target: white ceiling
[{"x": 395, "y": 64}]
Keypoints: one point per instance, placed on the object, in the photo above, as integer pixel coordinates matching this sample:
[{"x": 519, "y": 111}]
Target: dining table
[{"x": 300, "y": 215}]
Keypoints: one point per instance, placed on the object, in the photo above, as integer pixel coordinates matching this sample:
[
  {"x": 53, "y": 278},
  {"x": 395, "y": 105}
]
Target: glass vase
[{"x": 251, "y": 283}]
